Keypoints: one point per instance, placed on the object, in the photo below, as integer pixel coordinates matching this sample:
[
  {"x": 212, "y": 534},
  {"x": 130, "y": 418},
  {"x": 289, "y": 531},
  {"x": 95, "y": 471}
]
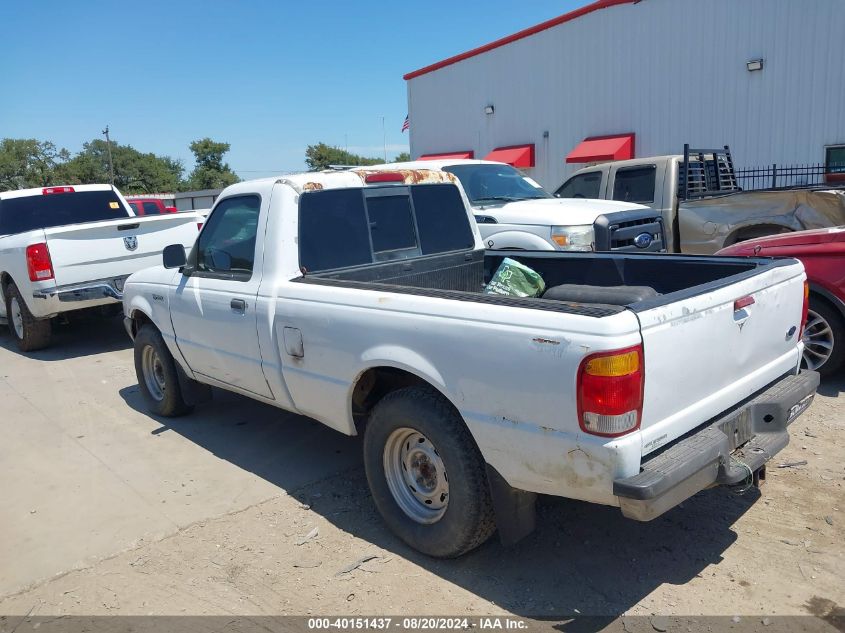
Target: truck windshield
[
  {"x": 19, "y": 215},
  {"x": 496, "y": 183}
]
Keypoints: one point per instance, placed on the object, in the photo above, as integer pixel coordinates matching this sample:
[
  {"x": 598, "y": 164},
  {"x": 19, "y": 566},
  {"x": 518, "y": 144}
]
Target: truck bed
[{"x": 462, "y": 276}]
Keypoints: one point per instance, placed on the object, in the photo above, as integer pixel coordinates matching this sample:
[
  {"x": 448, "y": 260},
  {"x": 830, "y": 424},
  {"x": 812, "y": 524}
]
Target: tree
[
  {"x": 134, "y": 171},
  {"x": 321, "y": 156},
  {"x": 211, "y": 172},
  {"x": 27, "y": 162},
  {"x": 402, "y": 157}
]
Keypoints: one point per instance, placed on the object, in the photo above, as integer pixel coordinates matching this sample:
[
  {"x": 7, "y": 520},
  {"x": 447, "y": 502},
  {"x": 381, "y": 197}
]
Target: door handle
[{"x": 238, "y": 305}]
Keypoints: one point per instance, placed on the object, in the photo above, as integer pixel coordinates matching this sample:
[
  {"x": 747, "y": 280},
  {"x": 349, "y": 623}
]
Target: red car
[
  {"x": 822, "y": 251},
  {"x": 149, "y": 206}
]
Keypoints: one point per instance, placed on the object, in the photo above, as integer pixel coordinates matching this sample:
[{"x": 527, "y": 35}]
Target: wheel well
[
  {"x": 754, "y": 231},
  {"x": 374, "y": 384},
  {"x": 139, "y": 319},
  {"x": 5, "y": 280},
  {"x": 819, "y": 296}
]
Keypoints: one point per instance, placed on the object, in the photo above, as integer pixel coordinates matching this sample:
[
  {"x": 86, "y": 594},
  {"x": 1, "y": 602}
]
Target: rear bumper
[
  {"x": 48, "y": 302},
  {"x": 89, "y": 291},
  {"x": 718, "y": 453}
]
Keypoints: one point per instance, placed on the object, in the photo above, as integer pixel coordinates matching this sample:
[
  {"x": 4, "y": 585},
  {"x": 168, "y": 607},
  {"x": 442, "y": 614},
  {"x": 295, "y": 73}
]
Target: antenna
[{"x": 108, "y": 145}]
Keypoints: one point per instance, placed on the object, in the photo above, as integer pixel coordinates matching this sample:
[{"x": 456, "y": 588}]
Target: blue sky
[{"x": 268, "y": 77}]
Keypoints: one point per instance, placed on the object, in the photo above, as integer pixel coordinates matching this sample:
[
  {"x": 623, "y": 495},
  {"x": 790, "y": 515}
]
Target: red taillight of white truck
[
  {"x": 610, "y": 392},
  {"x": 38, "y": 262}
]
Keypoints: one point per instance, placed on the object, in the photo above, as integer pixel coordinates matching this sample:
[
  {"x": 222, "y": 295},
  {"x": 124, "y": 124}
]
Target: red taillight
[
  {"x": 610, "y": 392},
  {"x": 199, "y": 226},
  {"x": 384, "y": 176},
  {"x": 805, "y": 307},
  {"x": 38, "y": 262},
  {"x": 49, "y": 190}
]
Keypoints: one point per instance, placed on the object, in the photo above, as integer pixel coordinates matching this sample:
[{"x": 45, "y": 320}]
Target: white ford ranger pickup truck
[
  {"x": 357, "y": 298},
  {"x": 70, "y": 248}
]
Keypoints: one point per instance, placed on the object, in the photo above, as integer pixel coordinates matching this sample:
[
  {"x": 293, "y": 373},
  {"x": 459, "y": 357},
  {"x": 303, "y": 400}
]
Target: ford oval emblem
[{"x": 643, "y": 240}]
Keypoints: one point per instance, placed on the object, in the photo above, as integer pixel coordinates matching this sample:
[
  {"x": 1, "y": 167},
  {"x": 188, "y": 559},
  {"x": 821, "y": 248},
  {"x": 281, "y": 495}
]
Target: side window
[
  {"x": 136, "y": 207},
  {"x": 635, "y": 184},
  {"x": 151, "y": 208},
  {"x": 227, "y": 243},
  {"x": 581, "y": 186}
]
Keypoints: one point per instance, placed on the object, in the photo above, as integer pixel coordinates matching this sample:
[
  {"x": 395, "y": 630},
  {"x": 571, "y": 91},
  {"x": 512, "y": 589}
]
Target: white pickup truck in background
[
  {"x": 514, "y": 212},
  {"x": 69, "y": 248},
  {"x": 357, "y": 298}
]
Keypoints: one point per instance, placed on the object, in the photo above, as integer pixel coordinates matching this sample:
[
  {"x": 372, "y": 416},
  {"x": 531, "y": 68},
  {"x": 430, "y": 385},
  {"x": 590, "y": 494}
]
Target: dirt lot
[{"x": 242, "y": 509}]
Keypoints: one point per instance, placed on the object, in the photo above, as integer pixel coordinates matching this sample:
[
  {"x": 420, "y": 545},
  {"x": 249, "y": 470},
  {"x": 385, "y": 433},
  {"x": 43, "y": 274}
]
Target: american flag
[{"x": 407, "y": 124}]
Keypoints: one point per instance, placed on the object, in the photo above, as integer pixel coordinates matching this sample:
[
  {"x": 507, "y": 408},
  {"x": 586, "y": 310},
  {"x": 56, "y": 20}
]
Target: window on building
[
  {"x": 581, "y": 186},
  {"x": 834, "y": 159},
  {"x": 635, "y": 184}
]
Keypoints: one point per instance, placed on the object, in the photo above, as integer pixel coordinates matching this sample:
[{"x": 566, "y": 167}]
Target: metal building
[{"x": 630, "y": 78}]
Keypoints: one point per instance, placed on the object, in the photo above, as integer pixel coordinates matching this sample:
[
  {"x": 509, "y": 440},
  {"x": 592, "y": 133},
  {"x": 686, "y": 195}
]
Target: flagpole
[{"x": 384, "y": 138}]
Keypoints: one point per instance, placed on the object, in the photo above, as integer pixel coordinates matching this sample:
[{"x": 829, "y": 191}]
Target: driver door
[{"x": 213, "y": 308}]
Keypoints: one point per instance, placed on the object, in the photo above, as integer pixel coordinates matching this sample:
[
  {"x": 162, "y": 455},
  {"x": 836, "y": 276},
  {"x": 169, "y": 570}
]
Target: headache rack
[{"x": 706, "y": 172}]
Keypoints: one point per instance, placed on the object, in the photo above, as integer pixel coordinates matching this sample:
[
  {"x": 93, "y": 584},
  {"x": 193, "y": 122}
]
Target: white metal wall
[{"x": 671, "y": 71}]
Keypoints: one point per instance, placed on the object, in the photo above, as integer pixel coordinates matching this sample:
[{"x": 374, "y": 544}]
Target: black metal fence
[{"x": 785, "y": 176}]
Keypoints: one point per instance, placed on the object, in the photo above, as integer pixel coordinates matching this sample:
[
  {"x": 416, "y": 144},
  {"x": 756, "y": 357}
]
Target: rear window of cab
[{"x": 341, "y": 228}]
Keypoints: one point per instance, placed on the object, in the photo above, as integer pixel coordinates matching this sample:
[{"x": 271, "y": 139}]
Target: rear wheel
[
  {"x": 426, "y": 474},
  {"x": 824, "y": 338},
  {"x": 157, "y": 375},
  {"x": 29, "y": 333}
]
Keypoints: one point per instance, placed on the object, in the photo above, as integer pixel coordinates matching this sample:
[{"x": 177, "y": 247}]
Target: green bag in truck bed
[{"x": 514, "y": 279}]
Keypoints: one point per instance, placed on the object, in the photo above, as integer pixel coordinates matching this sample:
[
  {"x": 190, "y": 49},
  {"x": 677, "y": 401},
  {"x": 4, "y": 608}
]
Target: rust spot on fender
[{"x": 312, "y": 186}]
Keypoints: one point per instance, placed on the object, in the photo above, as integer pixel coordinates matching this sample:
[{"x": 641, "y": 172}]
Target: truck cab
[{"x": 514, "y": 212}]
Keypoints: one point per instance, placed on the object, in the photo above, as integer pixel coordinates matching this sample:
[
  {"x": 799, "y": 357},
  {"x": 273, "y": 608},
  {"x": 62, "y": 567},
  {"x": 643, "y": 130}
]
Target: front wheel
[
  {"x": 29, "y": 333},
  {"x": 157, "y": 375},
  {"x": 426, "y": 474},
  {"x": 824, "y": 338}
]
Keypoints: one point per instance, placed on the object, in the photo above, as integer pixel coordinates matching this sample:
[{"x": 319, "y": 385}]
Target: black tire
[
  {"x": 36, "y": 333},
  {"x": 163, "y": 395},
  {"x": 468, "y": 520},
  {"x": 833, "y": 320}
]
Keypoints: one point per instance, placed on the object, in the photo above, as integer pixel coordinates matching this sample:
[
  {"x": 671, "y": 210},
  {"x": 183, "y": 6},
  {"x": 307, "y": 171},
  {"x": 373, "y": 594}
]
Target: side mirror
[{"x": 174, "y": 256}]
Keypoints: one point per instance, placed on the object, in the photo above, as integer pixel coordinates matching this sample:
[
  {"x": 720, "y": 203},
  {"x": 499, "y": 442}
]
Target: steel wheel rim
[
  {"x": 17, "y": 317},
  {"x": 818, "y": 341},
  {"x": 416, "y": 475},
  {"x": 153, "y": 370}
]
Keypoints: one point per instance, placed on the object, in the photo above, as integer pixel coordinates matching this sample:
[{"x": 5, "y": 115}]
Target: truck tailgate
[
  {"x": 114, "y": 248},
  {"x": 703, "y": 356}
]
